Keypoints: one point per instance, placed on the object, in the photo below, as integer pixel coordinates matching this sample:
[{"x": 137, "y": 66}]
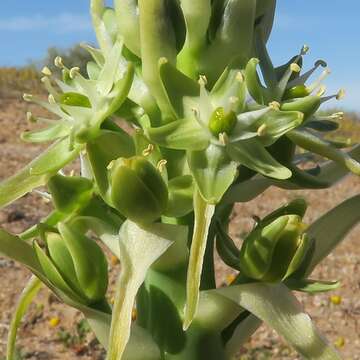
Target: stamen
[
  {"x": 28, "y": 97},
  {"x": 161, "y": 165},
  {"x": 148, "y": 150},
  {"x": 223, "y": 138},
  {"x": 341, "y": 94},
  {"x": 163, "y": 61},
  {"x": 274, "y": 105},
  {"x": 30, "y": 117},
  {"x": 304, "y": 50},
  {"x": 58, "y": 62},
  {"x": 111, "y": 165},
  {"x": 318, "y": 82},
  {"x": 45, "y": 195},
  {"x": 74, "y": 72},
  {"x": 295, "y": 68},
  {"x": 321, "y": 91},
  {"x": 301, "y": 80},
  {"x": 51, "y": 99},
  {"x": 47, "y": 83},
  {"x": 239, "y": 77},
  {"x": 261, "y": 131},
  {"x": 46, "y": 71},
  {"x": 202, "y": 80}
]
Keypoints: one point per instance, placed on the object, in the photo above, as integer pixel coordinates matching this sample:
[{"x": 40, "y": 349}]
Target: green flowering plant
[{"x": 207, "y": 131}]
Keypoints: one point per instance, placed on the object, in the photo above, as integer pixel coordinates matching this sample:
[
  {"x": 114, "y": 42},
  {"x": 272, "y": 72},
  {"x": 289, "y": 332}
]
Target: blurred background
[{"x": 33, "y": 32}]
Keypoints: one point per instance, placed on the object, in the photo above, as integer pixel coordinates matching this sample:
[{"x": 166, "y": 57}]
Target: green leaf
[
  {"x": 203, "y": 215},
  {"x": 70, "y": 193},
  {"x": 53, "y": 132},
  {"x": 254, "y": 156},
  {"x": 311, "y": 286},
  {"x": 127, "y": 13},
  {"x": 157, "y": 41},
  {"x": 213, "y": 172},
  {"x": 310, "y": 142},
  {"x": 37, "y": 172},
  {"x": 139, "y": 249},
  {"x": 257, "y": 91},
  {"x": 183, "y": 134},
  {"x": 180, "y": 89},
  {"x": 197, "y": 17},
  {"x": 276, "y": 305},
  {"x": 16, "y": 249},
  {"x": 226, "y": 248},
  {"x": 330, "y": 229},
  {"x": 30, "y": 291}
]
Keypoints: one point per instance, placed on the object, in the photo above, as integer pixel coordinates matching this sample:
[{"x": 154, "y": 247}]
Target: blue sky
[{"x": 330, "y": 28}]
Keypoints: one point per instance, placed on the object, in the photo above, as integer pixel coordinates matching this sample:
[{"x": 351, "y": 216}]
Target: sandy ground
[{"x": 39, "y": 339}]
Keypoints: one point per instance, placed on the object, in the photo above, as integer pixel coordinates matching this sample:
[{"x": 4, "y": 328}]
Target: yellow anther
[
  {"x": 148, "y": 150},
  {"x": 230, "y": 279},
  {"x": 305, "y": 49},
  {"x": 163, "y": 60},
  {"x": 58, "y": 62},
  {"x": 51, "y": 99},
  {"x": 261, "y": 131},
  {"x": 46, "y": 71},
  {"x": 114, "y": 260},
  {"x": 30, "y": 117},
  {"x": 27, "y": 97},
  {"x": 239, "y": 76},
  {"x": 161, "y": 165},
  {"x": 223, "y": 138},
  {"x": 202, "y": 80},
  {"x": 274, "y": 105},
  {"x": 111, "y": 164},
  {"x": 321, "y": 91},
  {"x": 295, "y": 68},
  {"x": 341, "y": 94},
  {"x": 74, "y": 72}
]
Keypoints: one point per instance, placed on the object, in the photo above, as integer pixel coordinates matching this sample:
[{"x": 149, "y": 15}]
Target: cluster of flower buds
[{"x": 74, "y": 264}]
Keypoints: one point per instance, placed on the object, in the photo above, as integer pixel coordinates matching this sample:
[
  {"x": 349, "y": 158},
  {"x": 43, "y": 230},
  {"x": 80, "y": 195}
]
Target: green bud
[
  {"x": 137, "y": 190},
  {"x": 74, "y": 264},
  {"x": 221, "y": 122},
  {"x": 296, "y": 92},
  {"x": 307, "y": 105},
  {"x": 75, "y": 99},
  {"x": 272, "y": 253},
  {"x": 70, "y": 193}
]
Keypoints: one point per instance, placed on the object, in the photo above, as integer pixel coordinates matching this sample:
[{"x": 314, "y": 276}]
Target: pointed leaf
[
  {"x": 37, "y": 172},
  {"x": 139, "y": 249},
  {"x": 275, "y": 305},
  {"x": 311, "y": 286},
  {"x": 53, "y": 132},
  {"x": 203, "y": 215},
  {"x": 30, "y": 291},
  {"x": 183, "y": 134},
  {"x": 254, "y": 156},
  {"x": 213, "y": 172}
]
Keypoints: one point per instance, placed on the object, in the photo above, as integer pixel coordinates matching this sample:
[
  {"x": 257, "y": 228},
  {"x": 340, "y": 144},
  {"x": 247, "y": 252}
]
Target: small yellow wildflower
[
  {"x": 340, "y": 342},
  {"x": 54, "y": 321},
  {"x": 335, "y": 299}
]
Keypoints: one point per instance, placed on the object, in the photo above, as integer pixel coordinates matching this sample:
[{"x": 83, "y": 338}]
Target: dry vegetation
[{"x": 52, "y": 331}]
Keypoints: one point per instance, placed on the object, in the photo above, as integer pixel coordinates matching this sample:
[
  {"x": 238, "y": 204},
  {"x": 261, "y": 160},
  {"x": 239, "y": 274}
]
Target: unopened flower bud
[
  {"x": 137, "y": 189},
  {"x": 273, "y": 252}
]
